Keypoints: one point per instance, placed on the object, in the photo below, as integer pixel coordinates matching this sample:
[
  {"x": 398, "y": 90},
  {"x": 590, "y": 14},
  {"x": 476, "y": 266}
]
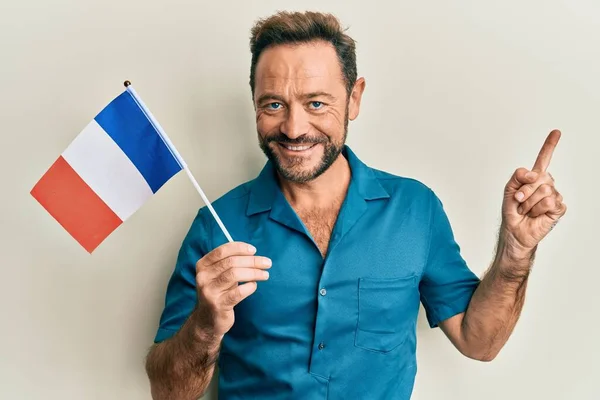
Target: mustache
[{"x": 282, "y": 138}]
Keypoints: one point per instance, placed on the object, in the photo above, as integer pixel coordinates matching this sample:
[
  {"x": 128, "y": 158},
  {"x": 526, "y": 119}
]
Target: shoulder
[
  {"x": 403, "y": 187},
  {"x": 409, "y": 194},
  {"x": 412, "y": 196}
]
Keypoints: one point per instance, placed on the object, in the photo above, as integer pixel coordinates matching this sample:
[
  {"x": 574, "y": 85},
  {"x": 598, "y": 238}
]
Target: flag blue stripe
[{"x": 132, "y": 131}]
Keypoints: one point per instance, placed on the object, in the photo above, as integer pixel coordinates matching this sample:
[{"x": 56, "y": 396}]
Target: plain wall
[{"x": 459, "y": 95}]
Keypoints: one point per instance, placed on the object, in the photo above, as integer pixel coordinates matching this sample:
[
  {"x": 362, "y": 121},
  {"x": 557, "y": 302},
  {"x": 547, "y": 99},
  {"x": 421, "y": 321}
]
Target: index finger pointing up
[{"x": 545, "y": 154}]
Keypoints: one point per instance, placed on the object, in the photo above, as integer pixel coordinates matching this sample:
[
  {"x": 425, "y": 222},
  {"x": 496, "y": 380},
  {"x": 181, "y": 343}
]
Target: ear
[{"x": 355, "y": 98}]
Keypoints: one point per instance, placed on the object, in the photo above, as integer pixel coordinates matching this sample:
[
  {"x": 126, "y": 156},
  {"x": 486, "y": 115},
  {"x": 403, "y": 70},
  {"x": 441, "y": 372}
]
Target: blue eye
[
  {"x": 316, "y": 104},
  {"x": 274, "y": 106}
]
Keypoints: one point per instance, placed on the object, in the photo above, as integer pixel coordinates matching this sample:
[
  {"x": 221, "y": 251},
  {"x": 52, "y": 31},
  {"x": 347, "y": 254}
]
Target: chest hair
[{"x": 320, "y": 223}]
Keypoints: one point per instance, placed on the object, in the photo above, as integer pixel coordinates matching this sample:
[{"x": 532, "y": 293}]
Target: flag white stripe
[{"x": 106, "y": 169}]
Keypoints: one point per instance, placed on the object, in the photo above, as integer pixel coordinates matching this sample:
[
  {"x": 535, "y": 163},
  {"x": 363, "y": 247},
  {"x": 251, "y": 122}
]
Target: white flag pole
[{"x": 177, "y": 156}]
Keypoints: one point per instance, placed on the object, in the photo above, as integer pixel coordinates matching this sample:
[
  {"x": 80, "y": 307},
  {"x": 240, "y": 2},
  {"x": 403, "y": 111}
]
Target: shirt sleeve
[
  {"x": 447, "y": 284},
  {"x": 181, "y": 297}
]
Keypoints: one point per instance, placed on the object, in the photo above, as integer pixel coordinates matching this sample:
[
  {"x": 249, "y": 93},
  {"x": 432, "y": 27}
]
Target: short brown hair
[{"x": 302, "y": 27}]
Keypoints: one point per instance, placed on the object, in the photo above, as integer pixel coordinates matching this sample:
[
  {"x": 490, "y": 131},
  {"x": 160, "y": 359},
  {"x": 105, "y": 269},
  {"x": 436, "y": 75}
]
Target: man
[{"x": 323, "y": 304}]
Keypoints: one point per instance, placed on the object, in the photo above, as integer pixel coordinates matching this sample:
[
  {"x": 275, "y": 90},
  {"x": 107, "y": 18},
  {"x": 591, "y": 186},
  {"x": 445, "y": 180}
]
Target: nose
[{"x": 295, "y": 123}]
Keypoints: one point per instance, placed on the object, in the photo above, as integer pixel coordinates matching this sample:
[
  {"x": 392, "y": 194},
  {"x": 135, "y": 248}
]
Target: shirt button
[
  {"x": 323, "y": 291},
  {"x": 321, "y": 346}
]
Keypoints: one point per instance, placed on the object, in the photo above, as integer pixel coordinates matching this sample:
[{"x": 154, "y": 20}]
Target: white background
[{"x": 458, "y": 96}]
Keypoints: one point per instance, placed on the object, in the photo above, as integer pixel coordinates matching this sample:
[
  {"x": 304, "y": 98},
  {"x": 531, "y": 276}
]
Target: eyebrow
[
  {"x": 272, "y": 96},
  {"x": 319, "y": 94},
  {"x": 269, "y": 96}
]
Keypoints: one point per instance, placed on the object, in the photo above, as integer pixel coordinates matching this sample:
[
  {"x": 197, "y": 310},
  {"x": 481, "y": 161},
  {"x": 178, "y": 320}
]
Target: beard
[{"x": 291, "y": 170}]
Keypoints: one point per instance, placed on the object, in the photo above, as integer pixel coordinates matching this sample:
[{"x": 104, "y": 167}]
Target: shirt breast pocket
[{"x": 387, "y": 312}]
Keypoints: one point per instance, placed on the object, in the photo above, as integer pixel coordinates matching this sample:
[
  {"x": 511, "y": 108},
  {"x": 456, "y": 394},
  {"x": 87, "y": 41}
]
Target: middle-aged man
[{"x": 350, "y": 251}]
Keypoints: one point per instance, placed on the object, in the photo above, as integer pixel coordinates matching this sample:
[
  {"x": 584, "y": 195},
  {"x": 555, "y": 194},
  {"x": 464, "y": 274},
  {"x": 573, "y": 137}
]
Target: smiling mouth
[{"x": 298, "y": 148}]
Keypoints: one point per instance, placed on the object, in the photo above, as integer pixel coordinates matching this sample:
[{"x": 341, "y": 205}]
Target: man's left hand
[{"x": 532, "y": 205}]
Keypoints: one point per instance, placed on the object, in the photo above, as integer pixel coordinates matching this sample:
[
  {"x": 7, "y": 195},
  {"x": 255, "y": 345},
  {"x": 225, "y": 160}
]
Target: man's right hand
[
  {"x": 182, "y": 366},
  {"x": 218, "y": 277}
]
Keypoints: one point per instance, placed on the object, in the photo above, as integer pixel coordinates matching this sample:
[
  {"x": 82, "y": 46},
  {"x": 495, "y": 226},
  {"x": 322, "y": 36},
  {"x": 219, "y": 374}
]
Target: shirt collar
[{"x": 264, "y": 189}]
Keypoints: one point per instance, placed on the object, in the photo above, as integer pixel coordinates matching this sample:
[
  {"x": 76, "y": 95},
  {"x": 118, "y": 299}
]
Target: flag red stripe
[{"x": 75, "y": 206}]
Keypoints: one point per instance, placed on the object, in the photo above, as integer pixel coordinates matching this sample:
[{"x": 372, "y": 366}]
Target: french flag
[{"x": 117, "y": 162}]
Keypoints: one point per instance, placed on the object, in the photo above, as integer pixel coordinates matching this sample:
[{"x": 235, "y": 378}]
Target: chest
[
  {"x": 370, "y": 271},
  {"x": 320, "y": 224}
]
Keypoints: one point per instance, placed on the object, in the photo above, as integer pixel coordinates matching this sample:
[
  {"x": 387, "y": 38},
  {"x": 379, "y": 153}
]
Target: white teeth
[{"x": 297, "y": 148}]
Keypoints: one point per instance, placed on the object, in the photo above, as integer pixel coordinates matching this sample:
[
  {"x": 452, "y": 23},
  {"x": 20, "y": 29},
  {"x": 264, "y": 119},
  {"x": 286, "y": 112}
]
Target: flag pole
[{"x": 177, "y": 156}]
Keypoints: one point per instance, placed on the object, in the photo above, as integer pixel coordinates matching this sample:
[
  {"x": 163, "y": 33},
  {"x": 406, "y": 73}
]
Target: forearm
[
  {"x": 182, "y": 366},
  {"x": 497, "y": 303}
]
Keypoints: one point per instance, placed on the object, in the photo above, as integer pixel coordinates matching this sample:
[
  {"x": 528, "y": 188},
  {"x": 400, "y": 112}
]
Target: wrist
[
  {"x": 516, "y": 257},
  {"x": 202, "y": 329},
  {"x": 513, "y": 262},
  {"x": 510, "y": 248}
]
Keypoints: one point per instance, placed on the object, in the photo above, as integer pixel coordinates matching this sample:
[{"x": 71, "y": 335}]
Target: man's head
[{"x": 305, "y": 89}]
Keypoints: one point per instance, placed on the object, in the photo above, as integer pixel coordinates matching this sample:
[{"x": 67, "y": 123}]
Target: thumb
[{"x": 520, "y": 177}]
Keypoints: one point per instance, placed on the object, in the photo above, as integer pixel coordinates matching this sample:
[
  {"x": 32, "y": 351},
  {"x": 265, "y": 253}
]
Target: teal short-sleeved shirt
[{"x": 343, "y": 327}]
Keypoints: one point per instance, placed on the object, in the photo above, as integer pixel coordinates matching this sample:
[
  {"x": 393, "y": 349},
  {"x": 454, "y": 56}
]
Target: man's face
[{"x": 302, "y": 108}]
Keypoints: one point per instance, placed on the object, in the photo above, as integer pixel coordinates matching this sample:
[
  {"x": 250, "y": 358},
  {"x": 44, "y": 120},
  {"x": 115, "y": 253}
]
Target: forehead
[{"x": 307, "y": 67}]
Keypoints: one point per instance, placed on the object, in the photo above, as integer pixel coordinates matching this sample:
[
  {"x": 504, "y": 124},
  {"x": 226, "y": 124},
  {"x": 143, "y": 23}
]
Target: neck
[{"x": 322, "y": 191}]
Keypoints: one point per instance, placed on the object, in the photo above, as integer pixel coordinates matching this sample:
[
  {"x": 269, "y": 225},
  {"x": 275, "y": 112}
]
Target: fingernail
[
  {"x": 267, "y": 262},
  {"x": 531, "y": 175},
  {"x": 251, "y": 248},
  {"x": 520, "y": 210},
  {"x": 520, "y": 196},
  {"x": 266, "y": 274}
]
